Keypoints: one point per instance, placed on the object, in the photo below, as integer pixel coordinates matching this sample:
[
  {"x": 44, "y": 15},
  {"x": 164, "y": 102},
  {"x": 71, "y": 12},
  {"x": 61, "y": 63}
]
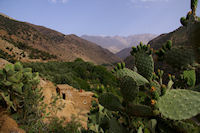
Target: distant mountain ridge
[
  {"x": 117, "y": 43},
  {"x": 65, "y": 47}
]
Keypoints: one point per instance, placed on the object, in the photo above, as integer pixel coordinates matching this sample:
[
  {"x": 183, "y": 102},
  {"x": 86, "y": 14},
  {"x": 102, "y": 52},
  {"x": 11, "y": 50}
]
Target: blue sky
[{"x": 100, "y": 17}]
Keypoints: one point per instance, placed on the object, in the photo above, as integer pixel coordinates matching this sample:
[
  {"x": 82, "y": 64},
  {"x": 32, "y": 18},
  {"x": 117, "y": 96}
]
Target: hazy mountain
[
  {"x": 117, "y": 43},
  {"x": 32, "y": 38},
  {"x": 124, "y": 53}
]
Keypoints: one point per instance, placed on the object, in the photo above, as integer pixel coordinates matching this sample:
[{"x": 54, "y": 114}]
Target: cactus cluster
[
  {"x": 161, "y": 101},
  {"x": 14, "y": 81},
  {"x": 143, "y": 60},
  {"x": 165, "y": 48}
]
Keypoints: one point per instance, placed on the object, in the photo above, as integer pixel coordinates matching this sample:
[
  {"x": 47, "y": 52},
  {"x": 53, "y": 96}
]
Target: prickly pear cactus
[
  {"x": 144, "y": 60},
  {"x": 184, "y": 21},
  {"x": 144, "y": 64},
  {"x": 179, "y": 104},
  {"x": 14, "y": 80},
  {"x": 139, "y": 110},
  {"x": 109, "y": 101},
  {"x": 140, "y": 80},
  {"x": 129, "y": 88},
  {"x": 190, "y": 76}
]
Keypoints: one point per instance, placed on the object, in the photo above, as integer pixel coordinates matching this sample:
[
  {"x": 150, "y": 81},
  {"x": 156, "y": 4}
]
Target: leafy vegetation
[
  {"x": 79, "y": 74},
  {"x": 143, "y": 104}
]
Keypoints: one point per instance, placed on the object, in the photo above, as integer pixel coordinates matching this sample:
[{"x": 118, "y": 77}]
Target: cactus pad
[
  {"x": 179, "y": 104},
  {"x": 139, "y": 110},
  {"x": 140, "y": 80},
  {"x": 129, "y": 88},
  {"x": 144, "y": 64},
  {"x": 190, "y": 76},
  {"x": 110, "y": 101}
]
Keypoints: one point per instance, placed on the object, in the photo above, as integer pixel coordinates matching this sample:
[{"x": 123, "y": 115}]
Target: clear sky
[{"x": 100, "y": 17}]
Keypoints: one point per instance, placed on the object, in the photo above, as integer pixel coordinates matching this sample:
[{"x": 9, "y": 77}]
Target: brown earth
[
  {"x": 3, "y": 63},
  {"x": 8, "y": 125},
  {"x": 65, "y": 47},
  {"x": 76, "y": 103}
]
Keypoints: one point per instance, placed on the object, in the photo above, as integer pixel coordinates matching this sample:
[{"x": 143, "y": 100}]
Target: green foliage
[
  {"x": 79, "y": 74},
  {"x": 14, "y": 83},
  {"x": 190, "y": 76},
  {"x": 179, "y": 104},
  {"x": 98, "y": 118},
  {"x": 57, "y": 126}
]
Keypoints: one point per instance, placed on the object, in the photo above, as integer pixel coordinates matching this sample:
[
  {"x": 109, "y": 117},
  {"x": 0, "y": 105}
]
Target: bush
[{"x": 78, "y": 74}]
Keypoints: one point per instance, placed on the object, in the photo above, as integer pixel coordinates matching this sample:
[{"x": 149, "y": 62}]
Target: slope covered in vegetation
[{"x": 79, "y": 74}]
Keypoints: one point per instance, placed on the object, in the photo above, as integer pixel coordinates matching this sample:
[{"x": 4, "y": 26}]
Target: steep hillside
[
  {"x": 35, "y": 39},
  {"x": 117, "y": 43},
  {"x": 124, "y": 53},
  {"x": 186, "y": 37},
  {"x": 178, "y": 37}
]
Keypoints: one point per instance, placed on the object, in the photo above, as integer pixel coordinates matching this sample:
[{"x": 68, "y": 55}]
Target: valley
[{"x": 52, "y": 82}]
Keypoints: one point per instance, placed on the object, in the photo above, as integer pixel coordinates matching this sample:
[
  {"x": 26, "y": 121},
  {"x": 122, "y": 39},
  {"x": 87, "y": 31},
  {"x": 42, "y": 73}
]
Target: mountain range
[
  {"x": 37, "y": 40},
  {"x": 117, "y": 43}
]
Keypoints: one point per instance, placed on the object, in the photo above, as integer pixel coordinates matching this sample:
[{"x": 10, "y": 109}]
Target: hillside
[
  {"x": 37, "y": 41},
  {"x": 184, "y": 36},
  {"x": 117, "y": 43},
  {"x": 124, "y": 53}
]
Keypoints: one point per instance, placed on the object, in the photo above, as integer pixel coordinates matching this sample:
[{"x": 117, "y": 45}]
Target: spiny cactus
[
  {"x": 190, "y": 76},
  {"x": 129, "y": 88},
  {"x": 179, "y": 104},
  {"x": 143, "y": 60},
  {"x": 14, "y": 82},
  {"x": 139, "y": 110},
  {"x": 162, "y": 51},
  {"x": 194, "y": 6},
  {"x": 140, "y": 80},
  {"x": 118, "y": 67},
  {"x": 183, "y": 21},
  {"x": 109, "y": 101}
]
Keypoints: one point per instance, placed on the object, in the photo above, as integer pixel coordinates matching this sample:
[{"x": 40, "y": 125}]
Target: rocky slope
[{"x": 29, "y": 38}]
